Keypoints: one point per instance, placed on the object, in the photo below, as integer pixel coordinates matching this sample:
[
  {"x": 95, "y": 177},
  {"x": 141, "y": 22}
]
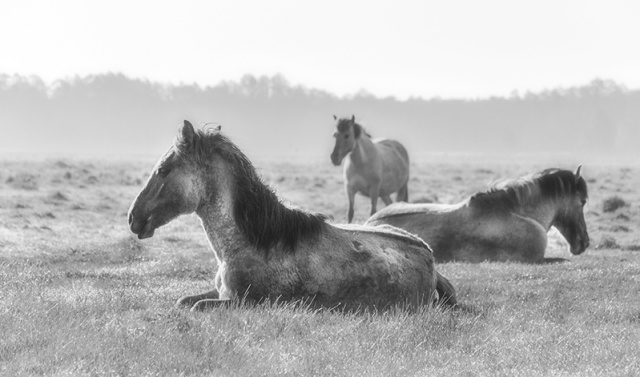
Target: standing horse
[
  {"x": 374, "y": 168},
  {"x": 268, "y": 251},
  {"x": 506, "y": 223}
]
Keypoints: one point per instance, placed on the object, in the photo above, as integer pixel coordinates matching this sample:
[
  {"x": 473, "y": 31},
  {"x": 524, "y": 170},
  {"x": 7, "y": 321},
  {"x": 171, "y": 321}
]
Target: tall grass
[
  {"x": 80, "y": 297},
  {"x": 116, "y": 317}
]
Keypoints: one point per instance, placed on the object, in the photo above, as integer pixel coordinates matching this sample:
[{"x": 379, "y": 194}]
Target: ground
[{"x": 82, "y": 296}]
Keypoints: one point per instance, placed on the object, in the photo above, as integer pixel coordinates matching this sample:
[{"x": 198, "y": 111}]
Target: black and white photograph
[{"x": 319, "y": 188}]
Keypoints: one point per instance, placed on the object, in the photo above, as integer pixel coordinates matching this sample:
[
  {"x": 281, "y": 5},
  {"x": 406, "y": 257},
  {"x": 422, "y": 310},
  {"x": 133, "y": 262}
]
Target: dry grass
[{"x": 80, "y": 296}]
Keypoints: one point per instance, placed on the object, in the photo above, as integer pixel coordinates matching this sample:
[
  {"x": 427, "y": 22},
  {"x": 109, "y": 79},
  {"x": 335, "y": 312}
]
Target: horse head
[
  {"x": 173, "y": 188},
  {"x": 569, "y": 219},
  {"x": 346, "y": 134}
]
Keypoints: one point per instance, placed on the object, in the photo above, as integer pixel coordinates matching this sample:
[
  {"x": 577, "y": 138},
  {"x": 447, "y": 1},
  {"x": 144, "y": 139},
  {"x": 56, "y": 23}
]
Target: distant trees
[{"x": 268, "y": 116}]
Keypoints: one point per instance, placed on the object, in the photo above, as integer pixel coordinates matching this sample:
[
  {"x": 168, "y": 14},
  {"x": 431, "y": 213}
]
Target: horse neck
[
  {"x": 543, "y": 211},
  {"x": 364, "y": 152},
  {"x": 217, "y": 218},
  {"x": 246, "y": 216}
]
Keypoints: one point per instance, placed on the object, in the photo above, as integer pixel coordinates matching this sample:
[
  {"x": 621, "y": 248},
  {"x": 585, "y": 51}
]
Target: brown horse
[
  {"x": 374, "y": 168},
  {"x": 268, "y": 251},
  {"x": 506, "y": 223}
]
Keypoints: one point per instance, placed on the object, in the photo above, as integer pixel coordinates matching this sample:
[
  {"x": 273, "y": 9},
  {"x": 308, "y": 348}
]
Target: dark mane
[
  {"x": 258, "y": 212},
  {"x": 549, "y": 183},
  {"x": 344, "y": 124}
]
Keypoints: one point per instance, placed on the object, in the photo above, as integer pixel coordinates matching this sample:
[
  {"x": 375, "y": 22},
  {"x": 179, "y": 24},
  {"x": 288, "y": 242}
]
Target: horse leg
[
  {"x": 190, "y": 301},
  {"x": 351, "y": 194},
  {"x": 374, "y": 192},
  {"x": 209, "y": 304},
  {"x": 445, "y": 290},
  {"x": 403, "y": 193},
  {"x": 386, "y": 199}
]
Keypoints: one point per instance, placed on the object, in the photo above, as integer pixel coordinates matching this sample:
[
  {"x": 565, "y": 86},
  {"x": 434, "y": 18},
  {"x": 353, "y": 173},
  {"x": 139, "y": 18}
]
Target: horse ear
[
  {"x": 219, "y": 128},
  {"x": 335, "y": 117},
  {"x": 187, "y": 133},
  {"x": 353, "y": 119},
  {"x": 578, "y": 171}
]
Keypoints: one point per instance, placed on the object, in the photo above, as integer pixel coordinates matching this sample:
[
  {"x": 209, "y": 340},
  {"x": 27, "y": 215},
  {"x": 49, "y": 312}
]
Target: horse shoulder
[
  {"x": 531, "y": 237},
  {"x": 499, "y": 236},
  {"x": 361, "y": 178}
]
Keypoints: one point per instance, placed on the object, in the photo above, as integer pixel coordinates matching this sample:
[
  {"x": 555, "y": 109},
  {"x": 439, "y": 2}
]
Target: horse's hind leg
[
  {"x": 386, "y": 199},
  {"x": 374, "y": 193},
  {"x": 403, "y": 193},
  {"x": 190, "y": 301}
]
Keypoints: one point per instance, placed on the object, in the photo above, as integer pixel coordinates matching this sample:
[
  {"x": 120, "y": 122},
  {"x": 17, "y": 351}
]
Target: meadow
[{"x": 80, "y": 295}]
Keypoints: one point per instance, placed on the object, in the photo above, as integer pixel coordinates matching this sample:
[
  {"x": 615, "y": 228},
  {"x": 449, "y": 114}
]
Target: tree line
[{"x": 268, "y": 116}]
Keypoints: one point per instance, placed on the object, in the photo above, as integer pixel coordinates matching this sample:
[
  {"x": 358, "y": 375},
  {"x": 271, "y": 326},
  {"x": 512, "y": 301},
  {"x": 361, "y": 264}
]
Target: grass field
[{"x": 81, "y": 296}]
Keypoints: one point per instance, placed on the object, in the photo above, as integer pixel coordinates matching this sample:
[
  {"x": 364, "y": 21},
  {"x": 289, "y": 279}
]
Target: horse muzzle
[
  {"x": 143, "y": 228},
  {"x": 581, "y": 246},
  {"x": 335, "y": 159}
]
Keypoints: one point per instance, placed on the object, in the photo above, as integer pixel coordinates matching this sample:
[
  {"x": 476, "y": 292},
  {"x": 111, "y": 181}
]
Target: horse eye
[
  {"x": 163, "y": 172},
  {"x": 346, "y": 136}
]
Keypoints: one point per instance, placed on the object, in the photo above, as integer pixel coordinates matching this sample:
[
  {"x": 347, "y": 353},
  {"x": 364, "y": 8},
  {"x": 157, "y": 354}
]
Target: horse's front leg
[
  {"x": 190, "y": 301},
  {"x": 351, "y": 195}
]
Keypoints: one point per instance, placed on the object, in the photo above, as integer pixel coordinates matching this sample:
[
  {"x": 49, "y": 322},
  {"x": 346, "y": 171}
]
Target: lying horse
[
  {"x": 374, "y": 168},
  {"x": 506, "y": 223},
  {"x": 268, "y": 251}
]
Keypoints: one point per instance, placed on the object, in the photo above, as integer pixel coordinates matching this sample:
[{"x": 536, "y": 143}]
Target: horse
[
  {"x": 269, "y": 251},
  {"x": 508, "y": 222},
  {"x": 375, "y": 168}
]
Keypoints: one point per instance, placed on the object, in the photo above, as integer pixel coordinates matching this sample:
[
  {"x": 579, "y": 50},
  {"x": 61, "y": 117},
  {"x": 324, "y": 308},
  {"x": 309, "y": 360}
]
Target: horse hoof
[
  {"x": 208, "y": 304},
  {"x": 185, "y": 302},
  {"x": 201, "y": 305}
]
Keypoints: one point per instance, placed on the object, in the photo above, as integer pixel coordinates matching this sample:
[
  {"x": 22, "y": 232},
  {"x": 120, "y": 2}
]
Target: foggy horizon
[
  {"x": 113, "y": 114},
  {"x": 498, "y": 77}
]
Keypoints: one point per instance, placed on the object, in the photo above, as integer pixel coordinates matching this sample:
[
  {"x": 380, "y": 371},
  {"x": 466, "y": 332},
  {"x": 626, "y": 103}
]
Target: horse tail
[
  {"x": 403, "y": 152},
  {"x": 446, "y": 291},
  {"x": 403, "y": 193}
]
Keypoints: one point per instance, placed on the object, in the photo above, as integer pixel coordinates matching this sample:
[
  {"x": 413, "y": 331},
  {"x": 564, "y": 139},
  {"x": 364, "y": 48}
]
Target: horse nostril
[{"x": 130, "y": 218}]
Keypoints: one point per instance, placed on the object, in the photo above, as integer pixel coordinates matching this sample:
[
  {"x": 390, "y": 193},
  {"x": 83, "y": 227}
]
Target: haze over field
[
  {"x": 496, "y": 76},
  {"x": 269, "y": 117}
]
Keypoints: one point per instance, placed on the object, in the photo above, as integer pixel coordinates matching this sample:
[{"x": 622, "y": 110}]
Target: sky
[{"x": 424, "y": 48}]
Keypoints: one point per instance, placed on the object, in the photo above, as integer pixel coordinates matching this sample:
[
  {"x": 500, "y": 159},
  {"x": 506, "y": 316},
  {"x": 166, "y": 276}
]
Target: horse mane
[
  {"x": 345, "y": 123},
  {"x": 257, "y": 210},
  {"x": 549, "y": 183}
]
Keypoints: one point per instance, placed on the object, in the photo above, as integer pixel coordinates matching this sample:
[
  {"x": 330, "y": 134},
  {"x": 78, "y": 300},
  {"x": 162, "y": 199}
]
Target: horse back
[
  {"x": 391, "y": 147},
  {"x": 465, "y": 233}
]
